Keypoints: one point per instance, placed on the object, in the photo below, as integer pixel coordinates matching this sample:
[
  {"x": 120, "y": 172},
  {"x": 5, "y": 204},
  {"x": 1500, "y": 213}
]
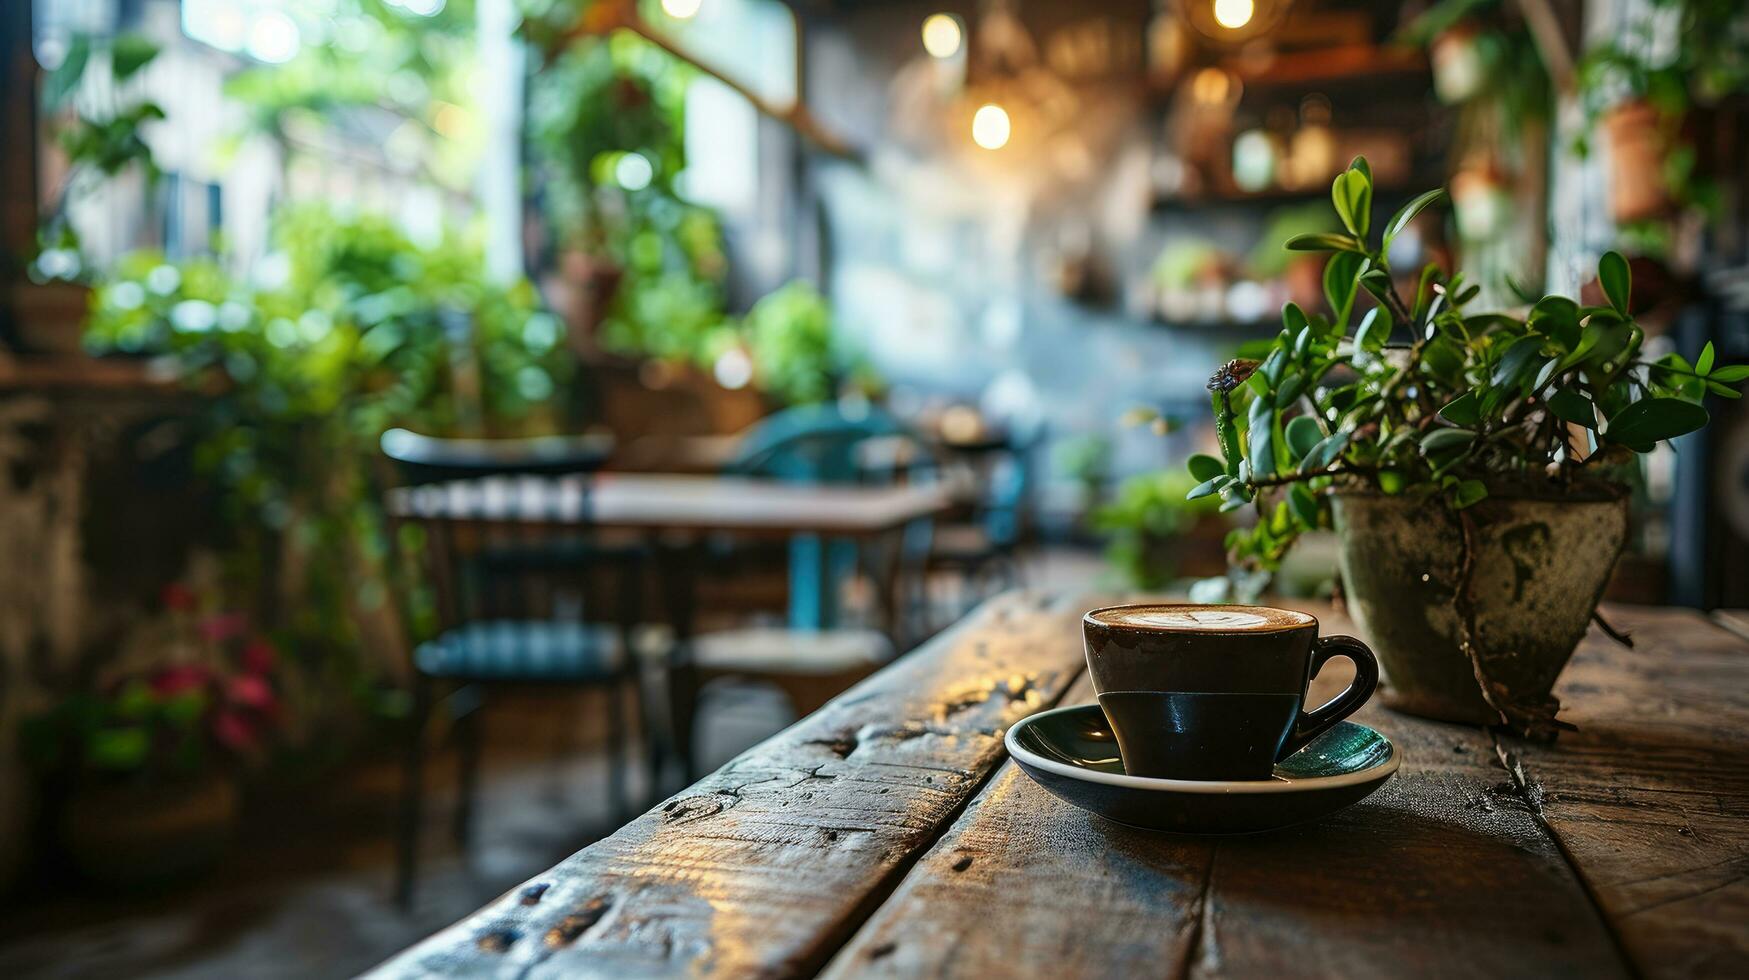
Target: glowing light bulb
[
  {"x": 1234, "y": 14},
  {"x": 991, "y": 127},
  {"x": 681, "y": 9},
  {"x": 942, "y": 35}
]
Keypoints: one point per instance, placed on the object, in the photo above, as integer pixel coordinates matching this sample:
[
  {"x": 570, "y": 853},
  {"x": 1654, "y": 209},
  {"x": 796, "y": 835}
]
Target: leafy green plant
[
  {"x": 349, "y": 329},
  {"x": 1708, "y": 61},
  {"x": 101, "y": 138},
  {"x": 1419, "y": 397},
  {"x": 790, "y": 339},
  {"x": 1143, "y": 524}
]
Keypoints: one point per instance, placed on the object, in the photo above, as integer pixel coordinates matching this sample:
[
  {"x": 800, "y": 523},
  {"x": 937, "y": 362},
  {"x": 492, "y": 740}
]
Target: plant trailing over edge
[{"x": 1420, "y": 398}]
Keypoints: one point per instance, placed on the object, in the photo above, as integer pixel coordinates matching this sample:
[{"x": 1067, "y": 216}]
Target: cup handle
[{"x": 1316, "y": 722}]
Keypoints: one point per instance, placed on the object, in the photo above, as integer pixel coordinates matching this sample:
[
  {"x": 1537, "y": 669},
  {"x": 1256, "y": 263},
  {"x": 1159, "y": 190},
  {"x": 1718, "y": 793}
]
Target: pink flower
[
  {"x": 250, "y": 691},
  {"x": 224, "y": 626},
  {"x": 259, "y": 657},
  {"x": 172, "y": 681},
  {"x": 233, "y": 730}
]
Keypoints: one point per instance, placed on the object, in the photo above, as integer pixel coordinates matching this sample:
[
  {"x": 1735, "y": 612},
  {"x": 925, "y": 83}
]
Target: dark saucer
[{"x": 1072, "y": 753}]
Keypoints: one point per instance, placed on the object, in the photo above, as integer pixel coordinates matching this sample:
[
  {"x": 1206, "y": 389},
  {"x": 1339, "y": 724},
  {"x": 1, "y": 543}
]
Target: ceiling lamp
[{"x": 1233, "y": 21}]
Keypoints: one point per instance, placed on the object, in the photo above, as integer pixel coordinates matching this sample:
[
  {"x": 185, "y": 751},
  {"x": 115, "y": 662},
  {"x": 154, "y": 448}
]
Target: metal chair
[
  {"x": 985, "y": 551},
  {"x": 501, "y": 590}
]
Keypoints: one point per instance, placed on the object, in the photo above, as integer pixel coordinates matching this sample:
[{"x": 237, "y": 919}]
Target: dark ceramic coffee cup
[{"x": 1215, "y": 692}]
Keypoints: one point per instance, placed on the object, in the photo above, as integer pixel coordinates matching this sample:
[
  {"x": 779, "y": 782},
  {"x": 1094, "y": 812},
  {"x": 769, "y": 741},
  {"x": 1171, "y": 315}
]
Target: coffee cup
[{"x": 1215, "y": 692}]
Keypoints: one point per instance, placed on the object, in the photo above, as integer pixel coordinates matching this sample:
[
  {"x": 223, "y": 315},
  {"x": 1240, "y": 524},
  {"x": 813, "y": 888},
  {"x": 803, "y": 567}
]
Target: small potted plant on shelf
[
  {"x": 147, "y": 761},
  {"x": 1473, "y": 465}
]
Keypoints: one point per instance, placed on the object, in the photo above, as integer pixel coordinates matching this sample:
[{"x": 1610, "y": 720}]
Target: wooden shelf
[
  {"x": 22, "y": 372},
  {"x": 1346, "y": 65}
]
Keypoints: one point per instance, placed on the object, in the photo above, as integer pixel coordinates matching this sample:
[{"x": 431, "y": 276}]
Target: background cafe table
[{"x": 887, "y": 834}]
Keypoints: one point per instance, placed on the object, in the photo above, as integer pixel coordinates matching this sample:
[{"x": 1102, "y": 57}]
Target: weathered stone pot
[{"x": 1537, "y": 570}]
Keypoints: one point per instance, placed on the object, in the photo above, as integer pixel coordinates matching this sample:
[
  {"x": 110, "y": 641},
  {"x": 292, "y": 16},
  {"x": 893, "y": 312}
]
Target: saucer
[{"x": 1072, "y": 753}]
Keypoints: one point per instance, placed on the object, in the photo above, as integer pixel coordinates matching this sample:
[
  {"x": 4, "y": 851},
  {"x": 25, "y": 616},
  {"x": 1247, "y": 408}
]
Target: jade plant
[{"x": 1419, "y": 396}]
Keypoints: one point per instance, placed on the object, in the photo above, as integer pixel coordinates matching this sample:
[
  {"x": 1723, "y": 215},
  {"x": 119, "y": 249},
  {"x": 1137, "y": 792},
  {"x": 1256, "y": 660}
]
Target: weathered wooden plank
[
  {"x": 1650, "y": 797},
  {"x": 1735, "y": 620},
  {"x": 766, "y": 866},
  {"x": 1445, "y": 872}
]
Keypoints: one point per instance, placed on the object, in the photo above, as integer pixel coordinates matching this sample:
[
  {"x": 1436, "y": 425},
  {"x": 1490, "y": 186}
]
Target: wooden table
[{"x": 887, "y": 834}]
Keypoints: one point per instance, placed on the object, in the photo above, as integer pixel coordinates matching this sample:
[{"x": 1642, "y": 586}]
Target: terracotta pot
[
  {"x": 127, "y": 833},
  {"x": 1637, "y": 150},
  {"x": 49, "y": 318},
  {"x": 1539, "y": 568}
]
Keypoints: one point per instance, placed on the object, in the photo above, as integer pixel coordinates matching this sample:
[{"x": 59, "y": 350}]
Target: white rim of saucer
[{"x": 1379, "y": 771}]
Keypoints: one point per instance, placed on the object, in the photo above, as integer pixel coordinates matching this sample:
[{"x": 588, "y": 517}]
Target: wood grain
[
  {"x": 1445, "y": 872},
  {"x": 1650, "y": 797},
  {"x": 766, "y": 866}
]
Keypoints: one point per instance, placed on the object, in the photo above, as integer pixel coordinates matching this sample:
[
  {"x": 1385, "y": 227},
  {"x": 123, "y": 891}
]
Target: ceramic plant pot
[{"x": 1538, "y": 569}]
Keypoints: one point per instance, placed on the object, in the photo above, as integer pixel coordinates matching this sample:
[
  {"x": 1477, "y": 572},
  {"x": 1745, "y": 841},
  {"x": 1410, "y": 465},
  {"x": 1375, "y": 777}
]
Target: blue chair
[{"x": 819, "y": 444}]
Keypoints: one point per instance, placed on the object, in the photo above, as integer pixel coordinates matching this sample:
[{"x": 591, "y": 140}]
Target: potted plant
[
  {"x": 1642, "y": 85},
  {"x": 147, "y": 761},
  {"x": 1473, "y": 464},
  {"x": 98, "y": 142},
  {"x": 1150, "y": 527}
]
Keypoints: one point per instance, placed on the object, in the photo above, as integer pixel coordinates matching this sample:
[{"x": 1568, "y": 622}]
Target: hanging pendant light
[{"x": 1232, "y": 22}]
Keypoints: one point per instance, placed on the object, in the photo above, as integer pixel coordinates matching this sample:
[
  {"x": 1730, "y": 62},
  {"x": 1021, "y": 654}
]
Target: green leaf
[
  {"x": 1293, "y": 318},
  {"x": 1466, "y": 493},
  {"x": 1323, "y": 241},
  {"x": 129, "y": 53},
  {"x": 1226, "y": 431},
  {"x": 1445, "y": 440},
  {"x": 1233, "y": 503},
  {"x": 1290, "y": 390},
  {"x": 60, "y": 84},
  {"x": 1303, "y": 435},
  {"x": 1303, "y": 503},
  {"x": 1390, "y": 482},
  {"x": 1424, "y": 292},
  {"x": 1730, "y": 375},
  {"x": 1351, "y": 192},
  {"x": 1372, "y": 331},
  {"x": 1359, "y": 163},
  {"x": 1558, "y": 317},
  {"x": 1570, "y": 406},
  {"x": 1205, "y": 467},
  {"x": 1703, "y": 365},
  {"x": 117, "y": 748},
  {"x": 1324, "y": 453},
  {"x": 1612, "y": 274},
  {"x": 1407, "y": 213},
  {"x": 1262, "y": 449},
  {"x": 1462, "y": 410},
  {"x": 1723, "y": 391},
  {"x": 1649, "y": 421},
  {"x": 1206, "y": 487},
  {"x": 1514, "y": 364},
  {"x": 1341, "y": 282}
]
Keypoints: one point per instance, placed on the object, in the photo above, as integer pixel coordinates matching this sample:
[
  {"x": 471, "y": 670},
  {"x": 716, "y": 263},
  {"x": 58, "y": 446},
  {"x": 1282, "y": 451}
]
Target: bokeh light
[
  {"x": 1233, "y": 14},
  {"x": 991, "y": 127},
  {"x": 942, "y": 35},
  {"x": 681, "y": 9}
]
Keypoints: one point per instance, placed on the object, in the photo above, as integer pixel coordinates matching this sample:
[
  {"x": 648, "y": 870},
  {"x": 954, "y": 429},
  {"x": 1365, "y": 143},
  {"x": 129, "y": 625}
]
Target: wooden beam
[{"x": 604, "y": 18}]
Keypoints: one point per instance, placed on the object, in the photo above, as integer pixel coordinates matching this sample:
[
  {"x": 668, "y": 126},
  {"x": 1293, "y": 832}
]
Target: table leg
[{"x": 679, "y": 581}]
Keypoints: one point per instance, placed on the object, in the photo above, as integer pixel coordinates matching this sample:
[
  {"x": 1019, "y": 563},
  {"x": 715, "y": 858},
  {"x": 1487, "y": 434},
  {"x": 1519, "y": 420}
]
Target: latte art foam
[{"x": 1209, "y": 619}]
